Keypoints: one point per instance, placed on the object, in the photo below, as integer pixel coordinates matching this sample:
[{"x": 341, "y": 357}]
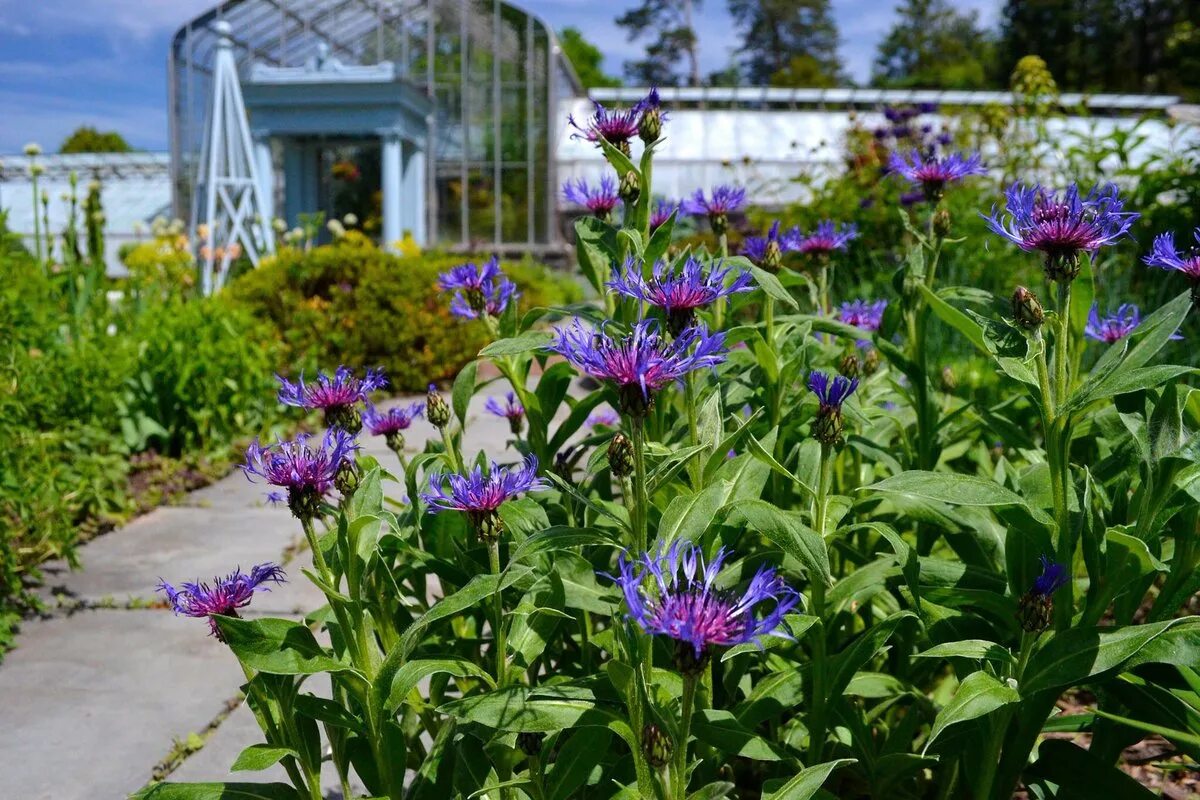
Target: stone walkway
[{"x": 94, "y": 698}]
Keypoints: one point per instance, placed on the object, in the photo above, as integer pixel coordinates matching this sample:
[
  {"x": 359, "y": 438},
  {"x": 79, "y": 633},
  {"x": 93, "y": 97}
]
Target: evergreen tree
[
  {"x": 788, "y": 42},
  {"x": 586, "y": 58},
  {"x": 932, "y": 45},
  {"x": 672, "y": 56}
]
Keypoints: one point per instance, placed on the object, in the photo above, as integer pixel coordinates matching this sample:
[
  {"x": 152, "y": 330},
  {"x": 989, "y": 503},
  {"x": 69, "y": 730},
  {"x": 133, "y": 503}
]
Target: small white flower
[{"x": 33, "y": 149}]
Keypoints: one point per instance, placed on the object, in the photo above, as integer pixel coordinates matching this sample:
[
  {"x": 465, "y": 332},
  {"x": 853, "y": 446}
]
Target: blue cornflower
[
  {"x": 306, "y": 471},
  {"x": 662, "y": 211},
  {"x": 616, "y": 126},
  {"x": 931, "y": 173},
  {"x": 1116, "y": 326},
  {"x": 678, "y": 294},
  {"x": 511, "y": 410},
  {"x": 480, "y": 496},
  {"x": 604, "y": 418},
  {"x": 863, "y": 315},
  {"x": 600, "y": 199},
  {"x": 641, "y": 363},
  {"x": 1061, "y": 226},
  {"x": 826, "y": 238},
  {"x": 1165, "y": 255},
  {"x": 831, "y": 394},
  {"x": 686, "y": 605},
  {"x": 478, "y": 290},
  {"x": 392, "y": 423},
  {"x": 1036, "y": 607},
  {"x": 224, "y": 596},
  {"x": 767, "y": 251},
  {"x": 337, "y": 395},
  {"x": 717, "y": 206}
]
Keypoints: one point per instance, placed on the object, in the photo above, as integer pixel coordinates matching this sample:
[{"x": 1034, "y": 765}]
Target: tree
[
  {"x": 87, "y": 139},
  {"x": 935, "y": 46},
  {"x": 586, "y": 58},
  {"x": 1106, "y": 45},
  {"x": 676, "y": 41},
  {"x": 788, "y": 42}
]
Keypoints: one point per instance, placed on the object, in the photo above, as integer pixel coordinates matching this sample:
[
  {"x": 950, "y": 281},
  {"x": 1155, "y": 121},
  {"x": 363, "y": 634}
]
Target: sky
[{"x": 65, "y": 63}]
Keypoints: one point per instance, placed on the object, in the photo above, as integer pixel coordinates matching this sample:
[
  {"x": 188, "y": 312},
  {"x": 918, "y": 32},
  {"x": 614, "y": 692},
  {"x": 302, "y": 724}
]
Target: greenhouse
[{"x": 493, "y": 72}]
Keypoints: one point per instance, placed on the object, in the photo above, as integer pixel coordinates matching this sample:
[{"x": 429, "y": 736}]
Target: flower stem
[
  {"x": 498, "y": 615},
  {"x": 452, "y": 456},
  {"x": 689, "y": 400},
  {"x": 1059, "y": 455},
  {"x": 679, "y": 767},
  {"x": 637, "y": 430},
  {"x": 816, "y": 720}
]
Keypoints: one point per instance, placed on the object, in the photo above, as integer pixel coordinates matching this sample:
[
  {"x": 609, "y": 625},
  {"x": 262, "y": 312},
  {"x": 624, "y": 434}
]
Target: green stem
[
  {"x": 823, "y": 287},
  {"x": 327, "y": 576},
  {"x": 679, "y": 767},
  {"x": 637, "y": 430},
  {"x": 37, "y": 227},
  {"x": 452, "y": 455},
  {"x": 816, "y": 721},
  {"x": 498, "y": 616},
  {"x": 1065, "y": 607},
  {"x": 719, "y": 305},
  {"x": 689, "y": 400}
]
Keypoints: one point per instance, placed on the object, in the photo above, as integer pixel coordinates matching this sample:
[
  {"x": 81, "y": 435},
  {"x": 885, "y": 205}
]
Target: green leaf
[
  {"x": 217, "y": 791},
  {"x": 975, "y": 649},
  {"x": 1073, "y": 656},
  {"x": 660, "y": 239},
  {"x": 955, "y": 319},
  {"x": 276, "y": 646},
  {"x": 1080, "y": 775},
  {"x": 260, "y": 756},
  {"x": 576, "y": 760},
  {"x": 722, "y": 730},
  {"x": 476, "y": 590},
  {"x": 807, "y": 782},
  {"x": 522, "y": 709},
  {"x": 689, "y": 515},
  {"x": 595, "y": 250},
  {"x": 950, "y": 488},
  {"x": 464, "y": 389},
  {"x": 843, "y": 666},
  {"x": 787, "y": 532},
  {"x": 1166, "y": 733},
  {"x": 409, "y": 675},
  {"x": 526, "y": 342},
  {"x": 766, "y": 281},
  {"x": 978, "y": 695}
]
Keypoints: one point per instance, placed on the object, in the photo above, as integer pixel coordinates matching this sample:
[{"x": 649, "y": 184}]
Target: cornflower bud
[
  {"x": 436, "y": 410},
  {"x": 630, "y": 188},
  {"x": 1027, "y": 309},
  {"x": 656, "y": 746},
  {"x": 620, "y": 455}
]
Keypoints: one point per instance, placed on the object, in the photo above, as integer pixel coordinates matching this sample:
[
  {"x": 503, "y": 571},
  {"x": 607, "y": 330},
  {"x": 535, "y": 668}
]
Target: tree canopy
[
  {"x": 934, "y": 45},
  {"x": 86, "y": 139},
  {"x": 586, "y": 58}
]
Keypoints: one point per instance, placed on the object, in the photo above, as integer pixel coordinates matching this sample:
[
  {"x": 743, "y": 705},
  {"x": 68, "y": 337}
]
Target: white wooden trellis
[{"x": 231, "y": 217}]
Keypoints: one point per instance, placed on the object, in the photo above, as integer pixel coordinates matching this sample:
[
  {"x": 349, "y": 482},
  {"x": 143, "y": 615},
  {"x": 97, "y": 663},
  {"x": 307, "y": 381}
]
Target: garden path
[{"x": 97, "y": 692}]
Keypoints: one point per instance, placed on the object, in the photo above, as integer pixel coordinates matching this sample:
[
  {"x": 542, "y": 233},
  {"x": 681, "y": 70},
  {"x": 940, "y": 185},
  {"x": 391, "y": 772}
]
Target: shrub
[{"x": 351, "y": 303}]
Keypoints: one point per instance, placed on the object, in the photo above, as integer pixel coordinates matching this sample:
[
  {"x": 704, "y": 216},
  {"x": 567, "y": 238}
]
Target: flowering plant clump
[
  {"x": 338, "y": 395},
  {"x": 599, "y": 199},
  {"x": 927, "y": 560},
  {"x": 686, "y": 605},
  {"x": 392, "y": 423},
  {"x": 716, "y": 205},
  {"x": 642, "y": 363},
  {"x": 932, "y": 173},
  {"x": 511, "y": 410},
  {"x": 307, "y": 471},
  {"x": 224, "y": 596},
  {"x": 1062, "y": 226},
  {"x": 828, "y": 237},
  {"x": 480, "y": 495},
  {"x": 678, "y": 294},
  {"x": 478, "y": 291}
]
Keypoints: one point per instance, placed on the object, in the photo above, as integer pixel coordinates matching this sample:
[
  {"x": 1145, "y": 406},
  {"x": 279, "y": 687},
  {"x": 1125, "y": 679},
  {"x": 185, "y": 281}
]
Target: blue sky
[{"x": 64, "y": 63}]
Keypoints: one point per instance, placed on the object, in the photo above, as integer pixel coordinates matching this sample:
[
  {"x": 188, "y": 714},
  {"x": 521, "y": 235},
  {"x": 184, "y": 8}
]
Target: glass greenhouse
[{"x": 495, "y": 75}]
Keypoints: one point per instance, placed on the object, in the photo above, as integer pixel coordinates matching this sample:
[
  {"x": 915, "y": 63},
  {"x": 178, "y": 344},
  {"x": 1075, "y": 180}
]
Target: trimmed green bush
[{"x": 351, "y": 303}]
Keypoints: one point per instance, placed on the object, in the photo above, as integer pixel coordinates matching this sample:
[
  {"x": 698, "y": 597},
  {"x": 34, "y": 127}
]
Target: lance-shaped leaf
[{"x": 977, "y": 696}]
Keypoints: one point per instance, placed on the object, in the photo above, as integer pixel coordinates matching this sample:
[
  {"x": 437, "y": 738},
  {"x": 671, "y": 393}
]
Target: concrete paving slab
[
  {"x": 92, "y": 701},
  {"x": 176, "y": 544},
  {"x": 235, "y": 490}
]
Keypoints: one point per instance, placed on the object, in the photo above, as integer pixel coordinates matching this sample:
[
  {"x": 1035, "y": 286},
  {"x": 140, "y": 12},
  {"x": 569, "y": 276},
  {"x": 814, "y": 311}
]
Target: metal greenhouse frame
[{"x": 495, "y": 72}]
